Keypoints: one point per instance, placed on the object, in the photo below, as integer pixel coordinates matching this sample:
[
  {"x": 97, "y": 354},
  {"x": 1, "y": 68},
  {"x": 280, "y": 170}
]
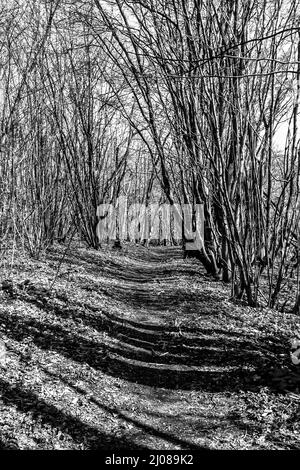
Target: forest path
[{"x": 132, "y": 349}]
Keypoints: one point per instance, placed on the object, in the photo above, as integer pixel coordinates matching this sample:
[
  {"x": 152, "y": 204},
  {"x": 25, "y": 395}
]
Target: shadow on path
[
  {"x": 94, "y": 439},
  {"x": 199, "y": 358},
  {"x": 153, "y": 357}
]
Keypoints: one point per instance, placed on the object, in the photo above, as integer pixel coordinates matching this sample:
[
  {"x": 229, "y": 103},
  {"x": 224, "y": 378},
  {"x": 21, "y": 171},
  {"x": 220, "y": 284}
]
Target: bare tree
[{"x": 212, "y": 81}]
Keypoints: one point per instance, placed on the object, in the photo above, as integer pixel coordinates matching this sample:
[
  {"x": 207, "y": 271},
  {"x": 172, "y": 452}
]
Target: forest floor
[{"x": 139, "y": 349}]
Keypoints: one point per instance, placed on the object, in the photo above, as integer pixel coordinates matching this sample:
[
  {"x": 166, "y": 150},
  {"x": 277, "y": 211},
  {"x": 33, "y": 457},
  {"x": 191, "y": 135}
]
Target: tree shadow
[
  {"x": 155, "y": 355},
  {"x": 137, "y": 272},
  {"x": 92, "y": 438},
  {"x": 146, "y": 297},
  {"x": 140, "y": 299},
  {"x": 145, "y": 428},
  {"x": 204, "y": 364}
]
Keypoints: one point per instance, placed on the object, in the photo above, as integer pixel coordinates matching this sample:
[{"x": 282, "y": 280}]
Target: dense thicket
[{"x": 157, "y": 100}]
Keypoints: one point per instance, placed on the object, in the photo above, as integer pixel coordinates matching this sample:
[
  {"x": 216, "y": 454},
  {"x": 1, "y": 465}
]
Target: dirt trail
[{"x": 137, "y": 349}]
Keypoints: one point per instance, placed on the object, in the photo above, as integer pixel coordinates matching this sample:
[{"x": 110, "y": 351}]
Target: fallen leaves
[{"x": 79, "y": 356}]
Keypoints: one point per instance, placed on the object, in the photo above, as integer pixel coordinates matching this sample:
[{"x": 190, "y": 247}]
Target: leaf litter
[{"x": 139, "y": 349}]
